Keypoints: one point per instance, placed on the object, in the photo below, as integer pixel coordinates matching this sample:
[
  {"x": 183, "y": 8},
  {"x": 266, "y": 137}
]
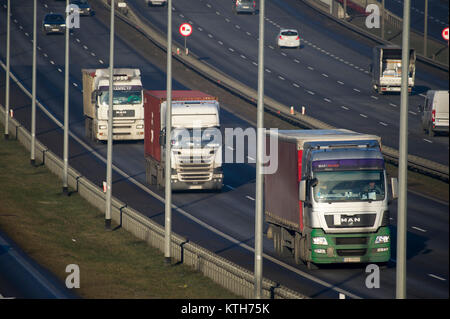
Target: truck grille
[
  {"x": 350, "y": 240},
  {"x": 194, "y": 169},
  {"x": 351, "y": 252}
]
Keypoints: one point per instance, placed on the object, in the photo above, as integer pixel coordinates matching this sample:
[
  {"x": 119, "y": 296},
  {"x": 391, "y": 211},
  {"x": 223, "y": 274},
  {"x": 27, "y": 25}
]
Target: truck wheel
[
  {"x": 298, "y": 250},
  {"x": 311, "y": 265},
  {"x": 88, "y": 128},
  {"x": 276, "y": 239},
  {"x": 430, "y": 132}
]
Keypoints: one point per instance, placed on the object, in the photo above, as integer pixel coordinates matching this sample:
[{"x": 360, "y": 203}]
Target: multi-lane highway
[{"x": 331, "y": 80}]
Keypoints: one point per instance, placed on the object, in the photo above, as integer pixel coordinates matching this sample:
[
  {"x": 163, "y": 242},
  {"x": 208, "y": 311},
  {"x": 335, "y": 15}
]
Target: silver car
[{"x": 244, "y": 6}]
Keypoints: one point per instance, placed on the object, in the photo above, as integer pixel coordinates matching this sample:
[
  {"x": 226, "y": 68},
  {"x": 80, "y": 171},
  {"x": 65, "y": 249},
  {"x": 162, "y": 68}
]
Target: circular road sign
[
  {"x": 185, "y": 29},
  {"x": 445, "y": 34}
]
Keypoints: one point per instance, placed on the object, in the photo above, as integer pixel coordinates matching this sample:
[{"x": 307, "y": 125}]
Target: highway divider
[
  {"x": 227, "y": 274},
  {"x": 134, "y": 19}
]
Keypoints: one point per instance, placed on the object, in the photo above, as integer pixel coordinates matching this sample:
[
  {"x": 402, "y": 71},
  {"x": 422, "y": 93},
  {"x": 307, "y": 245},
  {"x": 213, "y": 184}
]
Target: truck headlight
[
  {"x": 102, "y": 127},
  {"x": 319, "y": 241},
  {"x": 139, "y": 127},
  {"x": 382, "y": 240}
]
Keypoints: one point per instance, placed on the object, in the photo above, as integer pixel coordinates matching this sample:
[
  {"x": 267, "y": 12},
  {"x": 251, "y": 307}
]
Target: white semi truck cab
[{"x": 128, "y": 104}]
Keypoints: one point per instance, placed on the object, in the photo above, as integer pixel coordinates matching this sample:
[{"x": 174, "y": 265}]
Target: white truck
[
  {"x": 196, "y": 147},
  {"x": 128, "y": 104},
  {"x": 386, "y": 69}
]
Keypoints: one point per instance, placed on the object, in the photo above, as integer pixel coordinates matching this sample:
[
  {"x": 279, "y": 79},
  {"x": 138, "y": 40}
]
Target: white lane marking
[
  {"x": 45, "y": 55},
  {"x": 283, "y": 54},
  {"x": 85, "y": 47},
  {"x": 311, "y": 68},
  {"x": 218, "y": 13},
  {"x": 200, "y": 29},
  {"x": 419, "y": 229},
  {"x": 328, "y": 100},
  {"x": 243, "y": 56},
  {"x": 413, "y": 113},
  {"x": 249, "y": 197},
  {"x": 363, "y": 115},
  {"x": 220, "y": 42},
  {"x": 356, "y": 90},
  {"x": 296, "y": 61},
  {"x": 59, "y": 70},
  {"x": 310, "y": 92},
  {"x": 27, "y": 34},
  {"x": 227, "y": 20},
  {"x": 325, "y": 75},
  {"x": 101, "y": 62},
  {"x": 92, "y": 53},
  {"x": 271, "y": 47},
  {"x": 268, "y": 71},
  {"x": 374, "y": 97},
  {"x": 340, "y": 82},
  {"x": 248, "y": 33},
  {"x": 231, "y": 49},
  {"x": 281, "y": 78},
  {"x": 428, "y": 141},
  {"x": 382, "y": 123},
  {"x": 345, "y": 108},
  {"x": 210, "y": 36},
  {"x": 209, "y": 6},
  {"x": 437, "y": 277},
  {"x": 296, "y": 85},
  {"x": 74, "y": 84},
  {"x": 393, "y": 105},
  {"x": 254, "y": 63},
  {"x": 78, "y": 40},
  {"x": 230, "y": 187},
  {"x": 237, "y": 26},
  {"x": 51, "y": 61}
]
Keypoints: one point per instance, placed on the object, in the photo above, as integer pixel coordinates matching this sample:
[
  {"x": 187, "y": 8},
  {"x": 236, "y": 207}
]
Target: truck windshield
[
  {"x": 187, "y": 138},
  {"x": 122, "y": 97},
  {"x": 342, "y": 186}
]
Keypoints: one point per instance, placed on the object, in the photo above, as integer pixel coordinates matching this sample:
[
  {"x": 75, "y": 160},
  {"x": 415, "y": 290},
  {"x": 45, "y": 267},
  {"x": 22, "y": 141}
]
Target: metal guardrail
[
  {"x": 134, "y": 19},
  {"x": 225, "y": 273}
]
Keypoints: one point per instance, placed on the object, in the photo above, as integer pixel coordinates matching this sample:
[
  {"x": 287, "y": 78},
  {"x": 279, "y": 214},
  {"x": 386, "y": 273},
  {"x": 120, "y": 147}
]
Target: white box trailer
[{"x": 128, "y": 104}]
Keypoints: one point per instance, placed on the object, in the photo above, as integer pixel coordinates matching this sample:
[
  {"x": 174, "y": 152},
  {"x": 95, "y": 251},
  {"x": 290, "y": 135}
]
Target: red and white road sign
[
  {"x": 445, "y": 34},
  {"x": 185, "y": 29}
]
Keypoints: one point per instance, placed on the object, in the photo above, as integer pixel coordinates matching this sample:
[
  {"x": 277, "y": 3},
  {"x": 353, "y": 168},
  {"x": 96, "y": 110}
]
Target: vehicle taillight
[
  {"x": 298, "y": 38},
  {"x": 254, "y": 4},
  {"x": 281, "y": 37},
  {"x": 433, "y": 116}
]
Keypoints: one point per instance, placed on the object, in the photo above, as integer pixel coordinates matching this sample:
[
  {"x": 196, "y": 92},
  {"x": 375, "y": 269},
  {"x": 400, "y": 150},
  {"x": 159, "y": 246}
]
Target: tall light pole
[
  {"x": 66, "y": 103},
  {"x": 425, "y": 30},
  {"x": 259, "y": 158},
  {"x": 110, "y": 123},
  {"x": 382, "y": 19},
  {"x": 403, "y": 160},
  {"x": 168, "y": 186},
  {"x": 33, "y": 88},
  {"x": 8, "y": 36}
]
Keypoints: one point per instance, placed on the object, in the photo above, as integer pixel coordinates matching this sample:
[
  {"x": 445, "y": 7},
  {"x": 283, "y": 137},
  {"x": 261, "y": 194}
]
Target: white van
[{"x": 435, "y": 112}]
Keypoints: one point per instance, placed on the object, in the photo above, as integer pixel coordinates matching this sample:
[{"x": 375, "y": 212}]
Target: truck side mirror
[
  {"x": 394, "y": 186},
  {"x": 302, "y": 190},
  {"x": 162, "y": 137},
  {"x": 94, "y": 96}
]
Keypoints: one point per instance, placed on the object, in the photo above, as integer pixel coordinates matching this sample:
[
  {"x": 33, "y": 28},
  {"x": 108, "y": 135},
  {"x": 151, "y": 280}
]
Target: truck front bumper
[
  {"x": 216, "y": 182},
  {"x": 350, "y": 248}
]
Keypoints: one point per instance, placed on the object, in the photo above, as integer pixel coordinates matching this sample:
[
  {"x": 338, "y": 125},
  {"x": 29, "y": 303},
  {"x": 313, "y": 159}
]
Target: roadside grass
[{"x": 57, "y": 230}]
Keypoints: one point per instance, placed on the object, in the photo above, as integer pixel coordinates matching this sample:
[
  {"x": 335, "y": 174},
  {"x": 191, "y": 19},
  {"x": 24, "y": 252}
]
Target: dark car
[
  {"x": 244, "y": 6},
  {"x": 84, "y": 8},
  {"x": 54, "y": 23}
]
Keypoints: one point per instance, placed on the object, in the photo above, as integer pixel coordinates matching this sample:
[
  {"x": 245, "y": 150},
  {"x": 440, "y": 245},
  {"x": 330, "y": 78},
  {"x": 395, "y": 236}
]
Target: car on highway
[
  {"x": 288, "y": 38},
  {"x": 84, "y": 9},
  {"x": 156, "y": 2},
  {"x": 244, "y": 6},
  {"x": 435, "y": 112},
  {"x": 54, "y": 23}
]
